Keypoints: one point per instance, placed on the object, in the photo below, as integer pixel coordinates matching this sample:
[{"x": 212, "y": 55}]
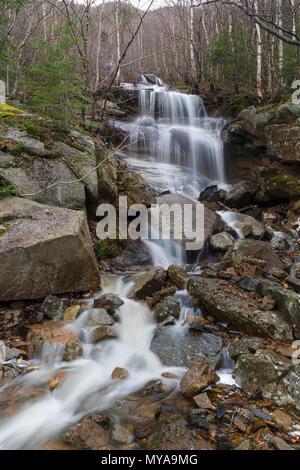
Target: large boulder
[
  {"x": 179, "y": 276},
  {"x": 227, "y": 304},
  {"x": 148, "y": 283},
  {"x": 275, "y": 376},
  {"x": 33, "y": 174},
  {"x": 255, "y": 119},
  {"x": 186, "y": 347},
  {"x": 287, "y": 302},
  {"x": 44, "y": 250},
  {"x": 241, "y": 194},
  {"x": 283, "y": 142},
  {"x": 245, "y": 251}
]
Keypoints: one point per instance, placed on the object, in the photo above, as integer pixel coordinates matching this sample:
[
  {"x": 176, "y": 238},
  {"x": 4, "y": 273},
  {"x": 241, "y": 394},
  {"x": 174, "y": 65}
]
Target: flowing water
[{"x": 176, "y": 147}]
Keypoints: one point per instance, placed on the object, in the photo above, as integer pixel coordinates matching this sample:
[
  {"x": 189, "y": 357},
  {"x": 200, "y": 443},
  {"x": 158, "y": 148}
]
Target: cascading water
[
  {"x": 176, "y": 147},
  {"x": 174, "y": 131}
]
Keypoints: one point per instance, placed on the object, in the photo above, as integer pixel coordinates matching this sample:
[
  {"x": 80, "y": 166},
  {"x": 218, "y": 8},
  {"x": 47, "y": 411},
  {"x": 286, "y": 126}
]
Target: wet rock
[
  {"x": 87, "y": 435},
  {"x": 199, "y": 376},
  {"x": 221, "y": 241},
  {"x": 248, "y": 283},
  {"x": 250, "y": 227},
  {"x": 248, "y": 251},
  {"x": 294, "y": 283},
  {"x": 241, "y": 195},
  {"x": 165, "y": 292},
  {"x": 203, "y": 402},
  {"x": 109, "y": 302},
  {"x": 71, "y": 313},
  {"x": 148, "y": 283},
  {"x": 134, "y": 257},
  {"x": 121, "y": 435},
  {"x": 172, "y": 432},
  {"x": 179, "y": 276},
  {"x": 170, "y": 306},
  {"x": 187, "y": 347},
  {"x": 282, "y": 418},
  {"x": 53, "y": 307},
  {"x": 119, "y": 373},
  {"x": 9, "y": 318},
  {"x": 57, "y": 333},
  {"x": 212, "y": 194},
  {"x": 275, "y": 376},
  {"x": 287, "y": 302},
  {"x": 279, "y": 243},
  {"x": 197, "y": 419},
  {"x": 243, "y": 346},
  {"x": 244, "y": 420},
  {"x": 97, "y": 317},
  {"x": 101, "y": 333},
  {"x": 225, "y": 303},
  {"x": 51, "y": 242}
]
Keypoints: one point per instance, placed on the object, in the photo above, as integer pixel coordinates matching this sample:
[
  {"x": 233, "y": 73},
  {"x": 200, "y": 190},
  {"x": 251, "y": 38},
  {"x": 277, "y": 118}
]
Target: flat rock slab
[
  {"x": 226, "y": 303},
  {"x": 44, "y": 250}
]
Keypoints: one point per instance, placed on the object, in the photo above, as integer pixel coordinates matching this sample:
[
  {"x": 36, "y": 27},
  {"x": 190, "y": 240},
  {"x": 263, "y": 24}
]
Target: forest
[{"x": 63, "y": 55}]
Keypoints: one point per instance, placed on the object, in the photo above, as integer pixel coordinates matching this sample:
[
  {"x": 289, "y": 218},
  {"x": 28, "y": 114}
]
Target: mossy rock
[{"x": 7, "y": 111}]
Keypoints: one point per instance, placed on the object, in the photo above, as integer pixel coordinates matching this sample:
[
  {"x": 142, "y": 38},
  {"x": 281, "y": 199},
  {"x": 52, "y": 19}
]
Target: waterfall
[{"x": 176, "y": 147}]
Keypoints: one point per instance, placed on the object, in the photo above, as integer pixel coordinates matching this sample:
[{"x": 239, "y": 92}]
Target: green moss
[
  {"x": 105, "y": 249},
  {"x": 7, "y": 111},
  {"x": 7, "y": 191}
]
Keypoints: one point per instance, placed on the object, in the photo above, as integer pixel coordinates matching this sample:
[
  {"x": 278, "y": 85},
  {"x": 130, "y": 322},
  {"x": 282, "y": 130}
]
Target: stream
[{"x": 176, "y": 147}]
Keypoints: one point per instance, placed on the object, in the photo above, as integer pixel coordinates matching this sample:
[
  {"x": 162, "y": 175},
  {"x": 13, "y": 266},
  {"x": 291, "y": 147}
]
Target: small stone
[
  {"x": 53, "y": 307},
  {"x": 119, "y": 373},
  {"x": 221, "y": 241},
  {"x": 170, "y": 306},
  {"x": 278, "y": 273},
  {"x": 197, "y": 418},
  {"x": 203, "y": 401},
  {"x": 244, "y": 421},
  {"x": 121, "y": 435},
  {"x": 248, "y": 283},
  {"x": 109, "y": 302},
  {"x": 168, "y": 375},
  {"x": 71, "y": 313},
  {"x": 103, "y": 333},
  {"x": 199, "y": 376},
  {"x": 282, "y": 418},
  {"x": 245, "y": 445}
]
